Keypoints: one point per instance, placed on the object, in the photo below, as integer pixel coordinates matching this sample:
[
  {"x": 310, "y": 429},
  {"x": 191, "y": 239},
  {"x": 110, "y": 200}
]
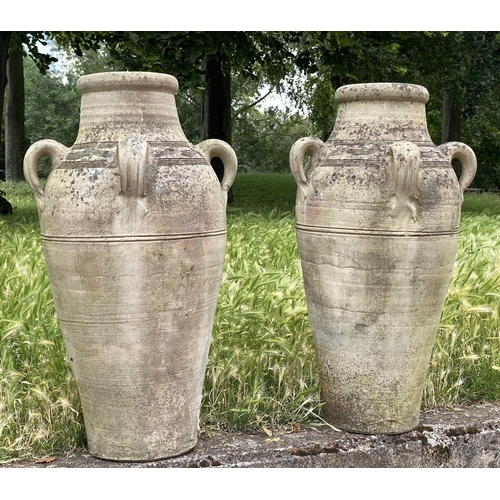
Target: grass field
[{"x": 261, "y": 369}]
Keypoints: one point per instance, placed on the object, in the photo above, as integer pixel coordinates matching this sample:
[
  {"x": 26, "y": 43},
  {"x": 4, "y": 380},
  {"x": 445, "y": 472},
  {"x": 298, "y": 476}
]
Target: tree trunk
[
  {"x": 450, "y": 130},
  {"x": 451, "y": 119},
  {"x": 4, "y": 56},
  {"x": 216, "y": 107},
  {"x": 15, "y": 140}
]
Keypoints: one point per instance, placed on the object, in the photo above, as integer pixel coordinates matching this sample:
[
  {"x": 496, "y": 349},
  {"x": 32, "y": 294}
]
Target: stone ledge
[{"x": 465, "y": 437}]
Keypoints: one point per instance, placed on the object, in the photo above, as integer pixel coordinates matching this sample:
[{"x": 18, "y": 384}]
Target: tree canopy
[
  {"x": 222, "y": 76},
  {"x": 253, "y": 54}
]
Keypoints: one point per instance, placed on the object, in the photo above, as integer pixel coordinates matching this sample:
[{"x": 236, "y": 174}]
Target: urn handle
[
  {"x": 49, "y": 148},
  {"x": 132, "y": 155},
  {"x": 212, "y": 148},
  {"x": 403, "y": 157},
  {"x": 463, "y": 153},
  {"x": 307, "y": 145}
]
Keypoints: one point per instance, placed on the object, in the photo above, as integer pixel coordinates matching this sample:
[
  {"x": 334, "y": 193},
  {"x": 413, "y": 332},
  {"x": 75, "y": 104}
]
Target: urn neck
[
  {"x": 381, "y": 112},
  {"x": 118, "y": 105}
]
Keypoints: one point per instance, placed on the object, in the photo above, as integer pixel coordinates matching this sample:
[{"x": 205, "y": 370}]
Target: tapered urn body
[
  {"x": 133, "y": 223},
  {"x": 377, "y": 221}
]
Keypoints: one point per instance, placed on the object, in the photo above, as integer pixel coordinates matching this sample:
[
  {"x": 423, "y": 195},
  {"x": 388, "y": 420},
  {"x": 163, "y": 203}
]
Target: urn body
[
  {"x": 133, "y": 223},
  {"x": 377, "y": 220}
]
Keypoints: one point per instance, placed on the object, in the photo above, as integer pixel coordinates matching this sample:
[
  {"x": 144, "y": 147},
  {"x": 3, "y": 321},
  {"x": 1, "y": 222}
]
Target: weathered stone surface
[
  {"x": 133, "y": 223},
  {"x": 377, "y": 218},
  {"x": 459, "y": 438}
]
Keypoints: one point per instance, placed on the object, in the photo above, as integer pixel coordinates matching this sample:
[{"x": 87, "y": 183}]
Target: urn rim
[
  {"x": 408, "y": 92},
  {"x": 127, "y": 80}
]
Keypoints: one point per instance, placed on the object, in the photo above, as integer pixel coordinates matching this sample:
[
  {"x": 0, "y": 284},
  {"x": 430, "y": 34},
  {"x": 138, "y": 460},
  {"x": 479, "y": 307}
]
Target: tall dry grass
[{"x": 261, "y": 369}]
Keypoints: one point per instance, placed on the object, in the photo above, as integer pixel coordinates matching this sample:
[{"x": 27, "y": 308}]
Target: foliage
[
  {"x": 482, "y": 133},
  {"x": 31, "y": 41},
  {"x": 350, "y": 56},
  {"x": 251, "y": 54},
  {"x": 320, "y": 102},
  {"x": 92, "y": 61},
  {"x": 51, "y": 108},
  {"x": 189, "y": 110},
  {"x": 263, "y": 135},
  {"x": 470, "y": 72},
  {"x": 464, "y": 63},
  {"x": 263, "y": 139},
  {"x": 52, "y": 105}
]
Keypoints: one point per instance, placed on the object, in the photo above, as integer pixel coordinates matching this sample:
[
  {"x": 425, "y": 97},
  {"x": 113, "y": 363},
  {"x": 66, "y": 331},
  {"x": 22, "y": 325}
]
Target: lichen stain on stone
[{"x": 462, "y": 431}]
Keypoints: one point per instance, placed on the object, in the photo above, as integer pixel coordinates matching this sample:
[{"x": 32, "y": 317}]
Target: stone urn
[
  {"x": 377, "y": 220},
  {"x": 133, "y": 223}
]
